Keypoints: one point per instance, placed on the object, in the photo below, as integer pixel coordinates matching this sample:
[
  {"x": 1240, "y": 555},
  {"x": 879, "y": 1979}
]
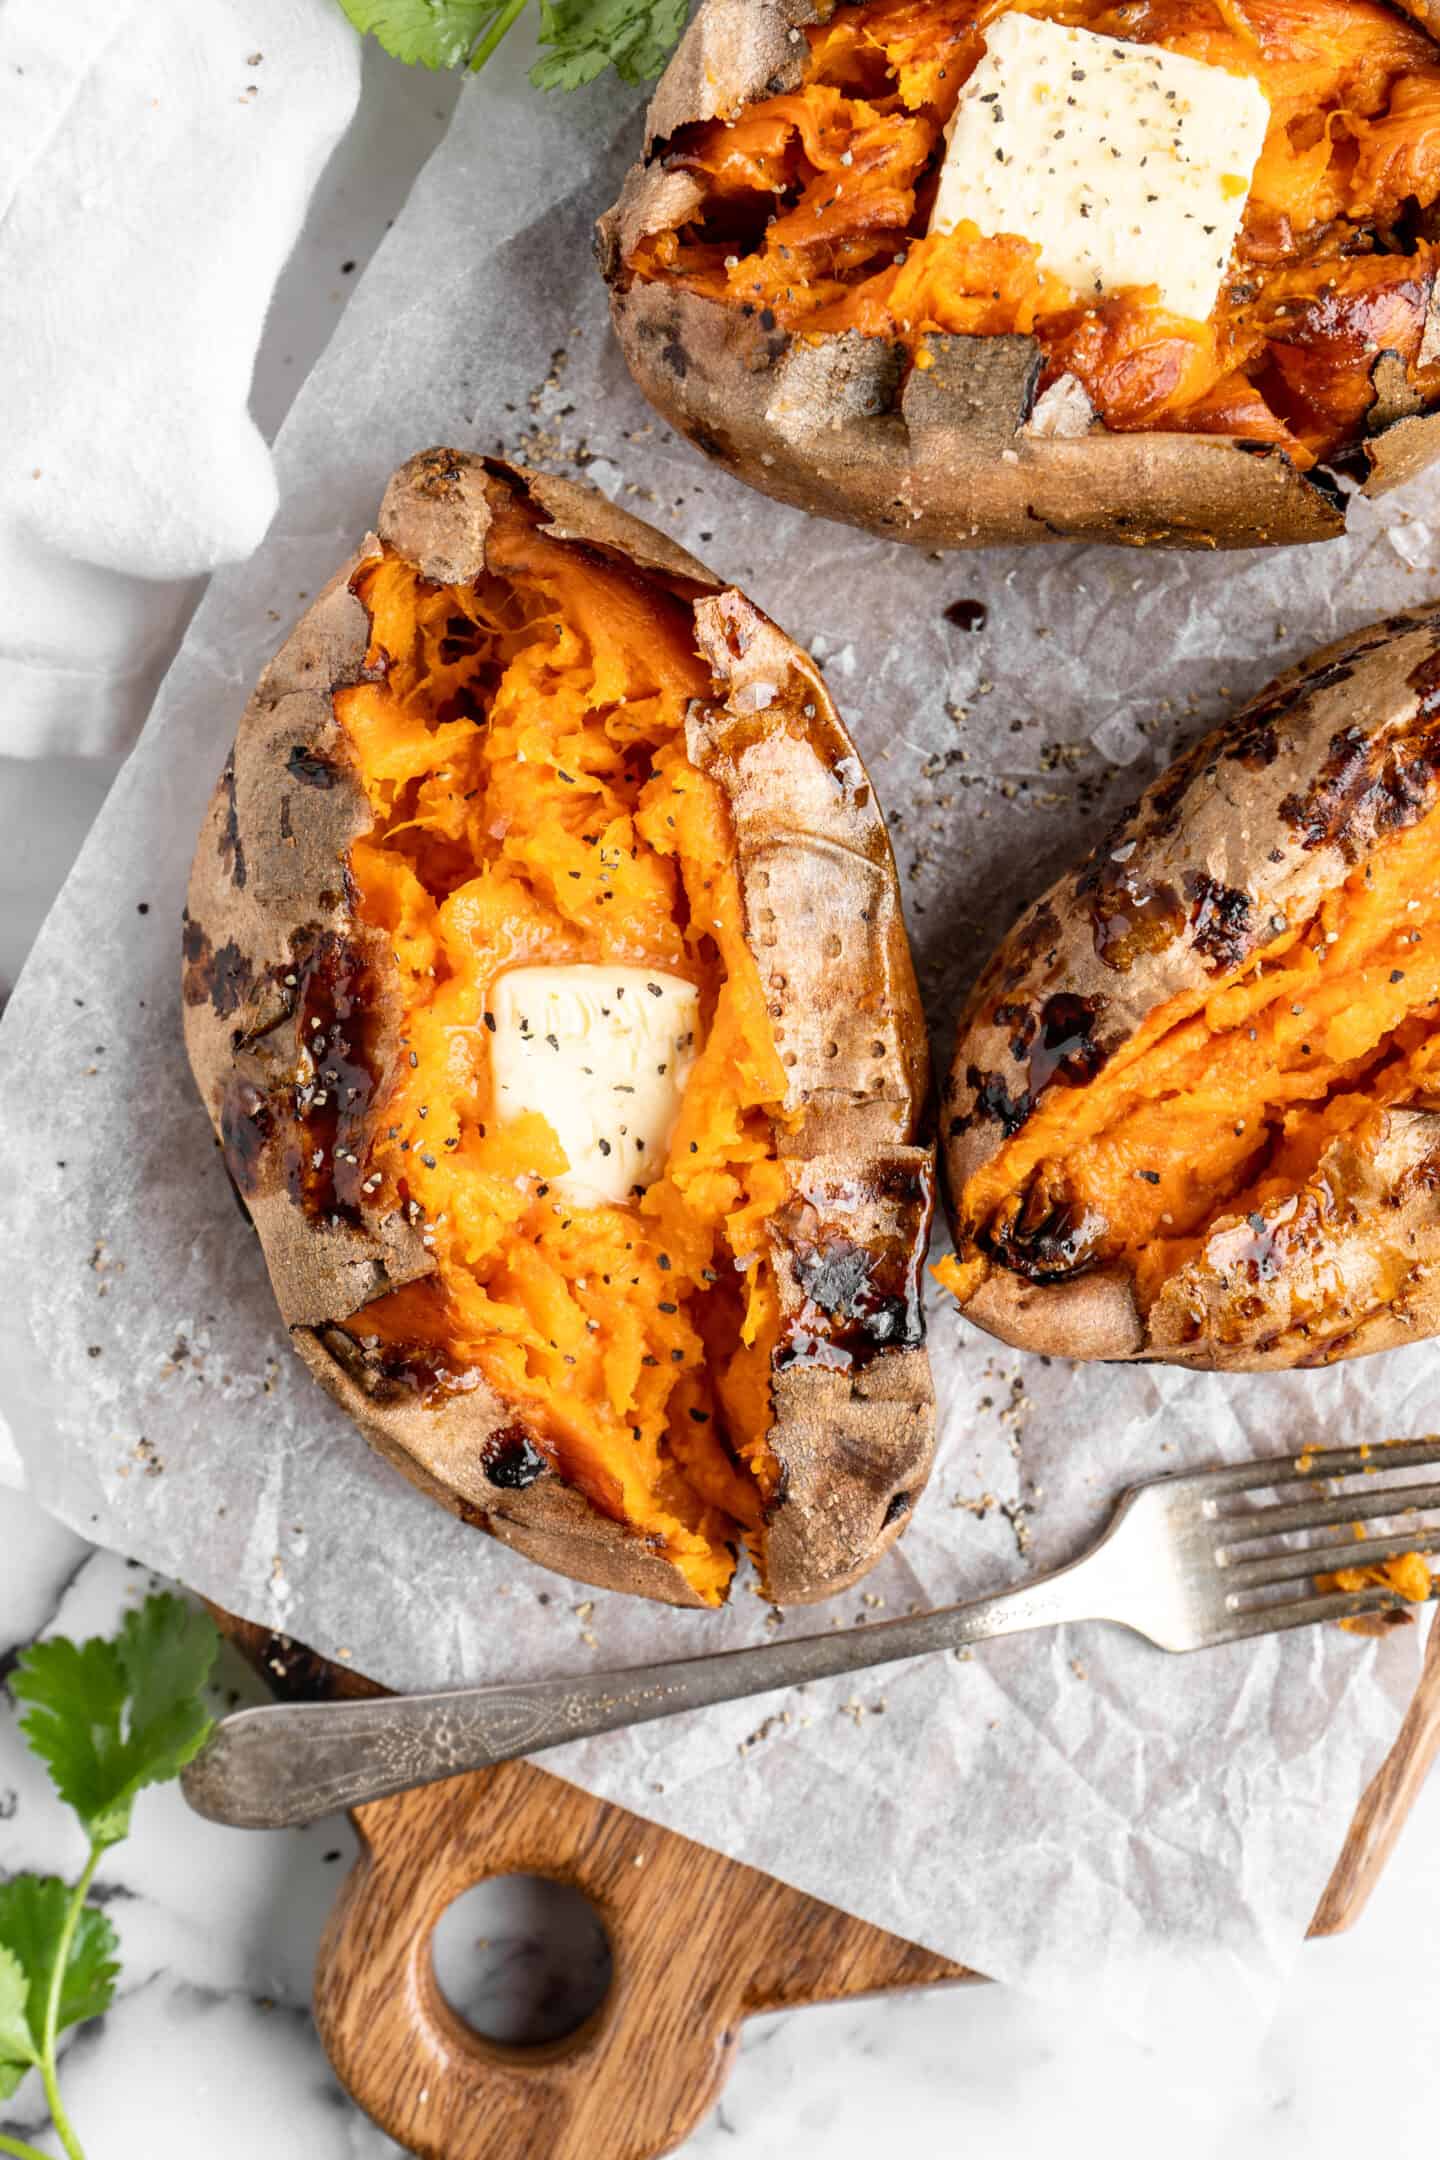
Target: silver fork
[{"x": 1175, "y": 1565}]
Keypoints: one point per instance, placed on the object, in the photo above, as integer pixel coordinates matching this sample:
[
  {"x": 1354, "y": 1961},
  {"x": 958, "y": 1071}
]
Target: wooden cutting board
[{"x": 699, "y": 1943}]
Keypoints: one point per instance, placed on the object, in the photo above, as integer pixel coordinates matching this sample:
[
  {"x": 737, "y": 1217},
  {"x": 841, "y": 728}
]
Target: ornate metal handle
[{"x": 291, "y": 1762}]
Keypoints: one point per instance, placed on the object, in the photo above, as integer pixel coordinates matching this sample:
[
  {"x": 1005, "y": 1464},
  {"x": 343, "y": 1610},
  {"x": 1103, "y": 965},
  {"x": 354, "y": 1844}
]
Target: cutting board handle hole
[{"x": 523, "y": 1959}]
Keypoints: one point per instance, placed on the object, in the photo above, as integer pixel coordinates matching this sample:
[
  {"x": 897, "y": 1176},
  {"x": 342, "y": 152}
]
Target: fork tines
[
  {"x": 1369, "y": 1604},
  {"x": 1315, "y": 1465},
  {"x": 1243, "y": 1529}
]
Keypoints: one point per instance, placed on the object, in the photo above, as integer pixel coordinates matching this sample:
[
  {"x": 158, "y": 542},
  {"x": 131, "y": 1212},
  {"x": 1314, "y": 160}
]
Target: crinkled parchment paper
[{"x": 1069, "y": 1810}]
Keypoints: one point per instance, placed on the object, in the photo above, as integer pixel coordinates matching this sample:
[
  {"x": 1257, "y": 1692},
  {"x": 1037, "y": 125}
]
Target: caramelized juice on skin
[{"x": 1225, "y": 1102}]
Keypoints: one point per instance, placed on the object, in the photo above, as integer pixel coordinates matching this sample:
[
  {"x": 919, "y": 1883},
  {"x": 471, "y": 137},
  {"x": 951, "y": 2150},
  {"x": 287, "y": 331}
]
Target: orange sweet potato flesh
[
  {"x": 1224, "y": 1100},
  {"x": 1408, "y": 1574},
  {"x": 816, "y": 204},
  {"x": 524, "y": 758}
]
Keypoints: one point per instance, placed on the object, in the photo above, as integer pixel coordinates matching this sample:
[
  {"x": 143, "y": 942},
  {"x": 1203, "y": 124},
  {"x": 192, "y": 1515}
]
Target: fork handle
[{"x": 287, "y": 1763}]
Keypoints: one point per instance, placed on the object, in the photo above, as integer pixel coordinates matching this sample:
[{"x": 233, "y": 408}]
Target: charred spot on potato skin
[
  {"x": 1257, "y": 745},
  {"x": 1020, "y": 1020},
  {"x": 1379, "y": 801},
  {"x": 1043, "y": 1233},
  {"x": 993, "y": 1102},
  {"x": 247, "y": 1121},
  {"x": 1252, "y": 738},
  {"x": 668, "y": 354},
  {"x": 1369, "y": 785},
  {"x": 1053, "y": 1041},
  {"x": 1038, "y": 930},
  {"x": 1253, "y": 742},
  {"x": 221, "y": 977},
  {"x": 861, "y": 1294},
  {"x": 847, "y": 1284},
  {"x": 235, "y": 1193},
  {"x": 1032, "y": 937},
  {"x": 1162, "y": 805},
  {"x": 1067, "y": 1048},
  {"x": 438, "y": 474},
  {"x": 1036, "y": 517},
  {"x": 1222, "y": 927},
  {"x": 1321, "y": 479},
  {"x": 231, "y": 979},
  {"x": 394, "y": 1372},
  {"x": 232, "y": 850},
  {"x": 1424, "y": 680},
  {"x": 511, "y": 1459},
  {"x": 311, "y": 767},
  {"x": 705, "y": 439},
  {"x": 195, "y": 953},
  {"x": 335, "y": 1081},
  {"x": 775, "y": 342}
]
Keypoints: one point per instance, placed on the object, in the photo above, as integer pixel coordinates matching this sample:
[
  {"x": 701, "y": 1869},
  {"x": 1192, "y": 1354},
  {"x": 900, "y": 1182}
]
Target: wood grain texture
[
  {"x": 1385, "y": 1808},
  {"x": 699, "y": 1943}
]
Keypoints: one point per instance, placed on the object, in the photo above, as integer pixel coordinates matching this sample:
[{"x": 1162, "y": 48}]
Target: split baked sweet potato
[
  {"x": 787, "y": 296},
  {"x": 1194, "y": 1108},
  {"x": 624, "y": 1285}
]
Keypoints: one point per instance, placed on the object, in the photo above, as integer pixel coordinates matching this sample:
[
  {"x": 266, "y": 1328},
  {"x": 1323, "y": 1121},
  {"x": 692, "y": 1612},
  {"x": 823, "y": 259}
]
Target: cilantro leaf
[
  {"x": 106, "y": 1719},
  {"x": 427, "y": 33},
  {"x": 634, "y": 37},
  {"x": 110, "y": 1717},
  {"x": 32, "y": 1925},
  {"x": 17, "y": 2048},
  {"x": 167, "y": 1649},
  {"x": 79, "y": 1693}
]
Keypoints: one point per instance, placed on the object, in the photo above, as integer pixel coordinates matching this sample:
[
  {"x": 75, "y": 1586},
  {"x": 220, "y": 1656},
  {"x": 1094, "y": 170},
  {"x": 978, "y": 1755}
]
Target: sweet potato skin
[
  {"x": 275, "y": 950},
  {"x": 1254, "y": 823},
  {"x": 942, "y": 458}
]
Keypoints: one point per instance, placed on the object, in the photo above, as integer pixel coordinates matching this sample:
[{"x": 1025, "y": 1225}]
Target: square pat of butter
[
  {"x": 1128, "y": 165},
  {"x": 603, "y": 1053}
]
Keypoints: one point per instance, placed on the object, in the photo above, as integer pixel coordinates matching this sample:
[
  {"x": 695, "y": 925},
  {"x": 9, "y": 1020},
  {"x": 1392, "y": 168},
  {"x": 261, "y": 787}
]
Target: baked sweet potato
[
  {"x": 1194, "y": 1109},
  {"x": 780, "y": 296},
  {"x": 521, "y": 741}
]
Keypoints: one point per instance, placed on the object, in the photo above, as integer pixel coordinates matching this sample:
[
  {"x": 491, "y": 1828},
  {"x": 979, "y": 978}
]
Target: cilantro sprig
[
  {"x": 107, "y": 1718},
  {"x": 582, "y": 37}
]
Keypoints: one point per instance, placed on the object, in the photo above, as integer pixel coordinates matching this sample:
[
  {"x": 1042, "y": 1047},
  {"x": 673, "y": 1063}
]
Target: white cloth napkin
[{"x": 156, "y": 160}]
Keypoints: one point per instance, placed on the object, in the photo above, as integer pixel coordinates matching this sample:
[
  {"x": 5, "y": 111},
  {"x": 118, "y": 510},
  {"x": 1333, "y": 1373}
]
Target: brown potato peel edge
[{"x": 274, "y": 945}]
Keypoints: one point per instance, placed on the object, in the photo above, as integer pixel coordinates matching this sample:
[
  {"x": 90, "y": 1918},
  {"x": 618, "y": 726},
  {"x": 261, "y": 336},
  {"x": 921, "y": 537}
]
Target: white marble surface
[{"x": 210, "y": 2048}]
